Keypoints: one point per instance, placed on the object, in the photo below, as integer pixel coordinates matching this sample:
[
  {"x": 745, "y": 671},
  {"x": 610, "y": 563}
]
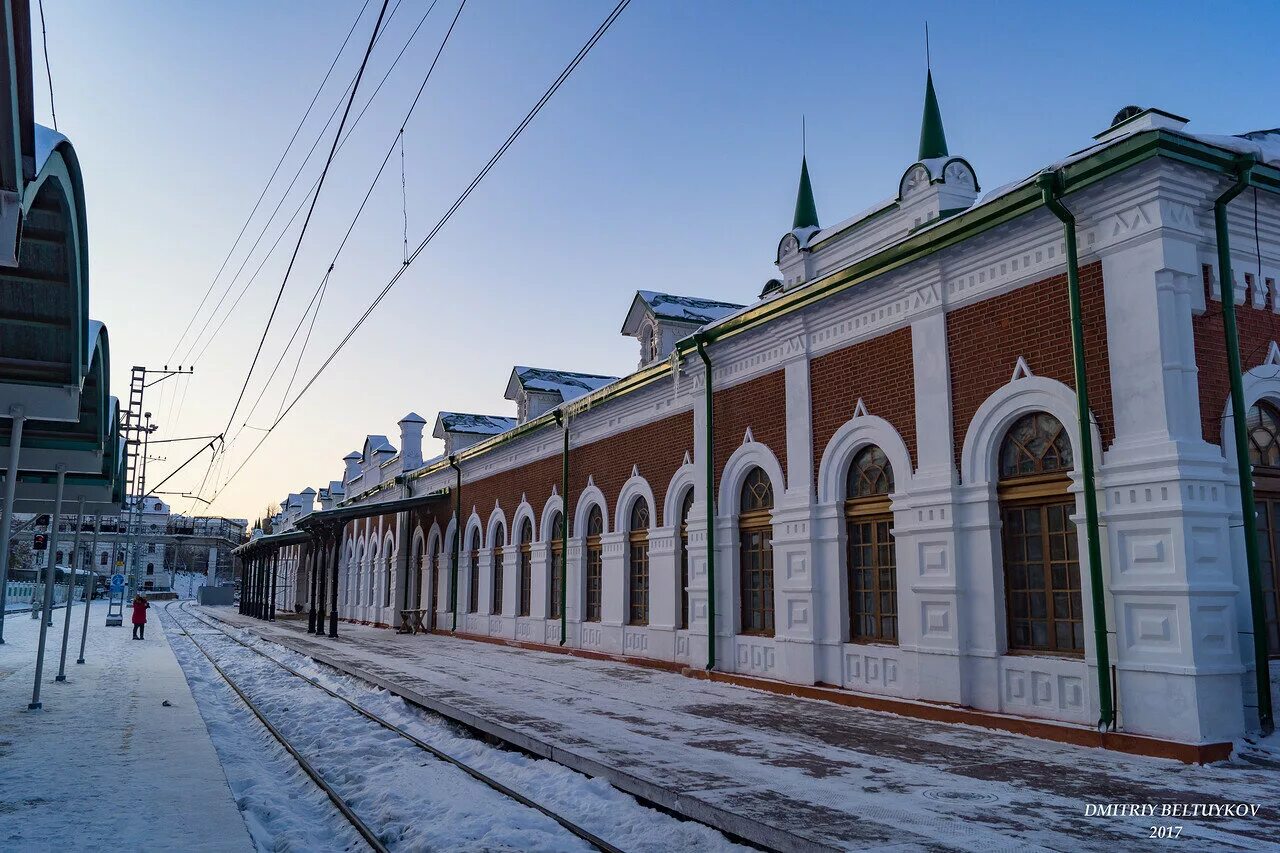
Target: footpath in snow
[
  {"x": 106, "y": 764},
  {"x": 803, "y": 774}
]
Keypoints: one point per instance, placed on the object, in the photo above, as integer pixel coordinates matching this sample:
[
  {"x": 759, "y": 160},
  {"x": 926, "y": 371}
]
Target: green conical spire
[
  {"x": 933, "y": 140},
  {"x": 806, "y": 211}
]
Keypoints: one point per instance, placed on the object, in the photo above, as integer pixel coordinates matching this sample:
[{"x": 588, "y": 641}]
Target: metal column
[
  {"x": 333, "y": 591},
  {"x": 50, "y": 574},
  {"x": 71, "y": 592},
  {"x": 89, "y": 583},
  {"x": 275, "y": 575},
  {"x": 6, "y": 512}
]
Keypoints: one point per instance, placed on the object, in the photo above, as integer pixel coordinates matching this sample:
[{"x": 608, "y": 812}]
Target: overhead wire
[
  {"x": 270, "y": 180},
  {"x": 502, "y": 149}
]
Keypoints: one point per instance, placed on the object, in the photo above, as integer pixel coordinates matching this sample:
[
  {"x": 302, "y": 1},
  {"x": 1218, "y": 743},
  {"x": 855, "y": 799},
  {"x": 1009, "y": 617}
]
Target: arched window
[
  {"x": 433, "y": 569},
  {"x": 638, "y": 564},
  {"x": 102, "y": 560},
  {"x": 686, "y": 507},
  {"x": 755, "y": 550},
  {"x": 1041, "y": 551},
  {"x": 415, "y": 575},
  {"x": 595, "y": 563},
  {"x": 557, "y": 563},
  {"x": 473, "y": 582},
  {"x": 871, "y": 563},
  {"x": 151, "y": 547},
  {"x": 151, "y": 567},
  {"x": 525, "y": 567},
  {"x": 1264, "y": 453},
  {"x": 499, "y": 536},
  {"x": 57, "y": 558}
]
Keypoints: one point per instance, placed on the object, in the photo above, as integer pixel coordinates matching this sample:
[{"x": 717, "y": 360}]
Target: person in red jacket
[{"x": 140, "y": 606}]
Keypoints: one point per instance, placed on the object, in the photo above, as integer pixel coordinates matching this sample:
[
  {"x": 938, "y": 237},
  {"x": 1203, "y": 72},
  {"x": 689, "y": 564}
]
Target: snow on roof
[
  {"x": 568, "y": 385},
  {"x": 377, "y": 444},
  {"x": 413, "y": 418},
  {"x": 686, "y": 309},
  {"x": 475, "y": 424},
  {"x": 336, "y": 487},
  {"x": 47, "y": 139}
]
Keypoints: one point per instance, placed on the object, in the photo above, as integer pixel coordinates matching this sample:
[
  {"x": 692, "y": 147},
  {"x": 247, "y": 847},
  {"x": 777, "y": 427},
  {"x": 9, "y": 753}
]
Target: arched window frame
[
  {"x": 416, "y": 558},
  {"x": 1039, "y": 542},
  {"x": 557, "y": 564},
  {"x": 638, "y": 563},
  {"x": 1263, "y": 431},
  {"x": 755, "y": 553},
  {"x": 686, "y": 508},
  {"x": 593, "y": 574},
  {"x": 525, "y": 567},
  {"x": 870, "y": 554},
  {"x": 473, "y": 580},
  {"x": 495, "y": 600}
]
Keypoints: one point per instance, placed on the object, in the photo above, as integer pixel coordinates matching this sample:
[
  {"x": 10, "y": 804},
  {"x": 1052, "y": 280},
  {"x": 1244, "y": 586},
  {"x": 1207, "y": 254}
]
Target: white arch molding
[
  {"x": 686, "y": 477},
  {"x": 591, "y": 496},
  {"x": 1259, "y": 383},
  {"x": 978, "y": 456},
  {"x": 524, "y": 511},
  {"x": 635, "y": 487},
  {"x": 495, "y": 518},
  {"x": 751, "y": 454},
  {"x": 554, "y": 503},
  {"x": 852, "y": 436}
]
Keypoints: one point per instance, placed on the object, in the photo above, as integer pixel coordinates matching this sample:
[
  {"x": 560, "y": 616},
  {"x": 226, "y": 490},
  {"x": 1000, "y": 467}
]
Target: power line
[
  {"x": 303, "y": 233},
  {"x": 270, "y": 180},
  {"x": 303, "y": 201},
  {"x": 322, "y": 287},
  {"x": 44, "y": 46},
  {"x": 502, "y": 149}
]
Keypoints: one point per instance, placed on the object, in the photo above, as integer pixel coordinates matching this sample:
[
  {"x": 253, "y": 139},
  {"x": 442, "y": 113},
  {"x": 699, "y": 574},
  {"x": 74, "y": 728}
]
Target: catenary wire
[
  {"x": 288, "y": 147},
  {"x": 502, "y": 149},
  {"x": 303, "y": 233},
  {"x": 44, "y": 47}
]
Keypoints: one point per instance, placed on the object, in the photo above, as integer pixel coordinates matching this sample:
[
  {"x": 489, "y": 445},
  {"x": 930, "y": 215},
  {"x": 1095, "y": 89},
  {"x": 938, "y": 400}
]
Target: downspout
[
  {"x": 564, "y": 528},
  {"x": 1050, "y": 184},
  {"x": 457, "y": 538},
  {"x": 1243, "y": 466},
  {"x": 699, "y": 340}
]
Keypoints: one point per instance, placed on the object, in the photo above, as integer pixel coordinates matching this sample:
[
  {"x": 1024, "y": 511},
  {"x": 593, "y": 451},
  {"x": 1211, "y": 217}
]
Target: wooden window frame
[
  {"x": 525, "y": 568},
  {"x": 686, "y": 507},
  {"x": 749, "y": 524},
  {"x": 557, "y": 550},
  {"x": 874, "y": 511},
  {"x": 593, "y": 573},
  {"x": 638, "y": 566},
  {"x": 473, "y": 580},
  {"x": 496, "y": 572}
]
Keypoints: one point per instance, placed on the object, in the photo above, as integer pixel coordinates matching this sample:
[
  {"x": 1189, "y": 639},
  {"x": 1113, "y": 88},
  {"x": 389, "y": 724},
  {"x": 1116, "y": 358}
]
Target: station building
[{"x": 874, "y": 476}]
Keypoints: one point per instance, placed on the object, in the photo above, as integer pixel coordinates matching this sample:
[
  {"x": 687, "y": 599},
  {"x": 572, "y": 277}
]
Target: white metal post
[
  {"x": 71, "y": 591},
  {"x": 6, "y": 512},
  {"x": 50, "y": 573},
  {"x": 90, "y": 581}
]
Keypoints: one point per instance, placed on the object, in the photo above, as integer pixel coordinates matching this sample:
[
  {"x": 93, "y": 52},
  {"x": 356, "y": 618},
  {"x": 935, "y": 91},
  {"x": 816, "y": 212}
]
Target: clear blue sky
[{"x": 668, "y": 162}]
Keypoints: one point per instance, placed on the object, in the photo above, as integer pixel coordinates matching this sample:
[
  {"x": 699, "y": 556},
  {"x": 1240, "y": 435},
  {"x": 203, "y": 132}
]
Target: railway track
[{"x": 341, "y": 803}]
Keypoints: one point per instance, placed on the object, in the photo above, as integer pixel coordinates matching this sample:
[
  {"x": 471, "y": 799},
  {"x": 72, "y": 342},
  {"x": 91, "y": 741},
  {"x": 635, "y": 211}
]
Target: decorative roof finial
[
  {"x": 933, "y": 140},
  {"x": 806, "y": 215}
]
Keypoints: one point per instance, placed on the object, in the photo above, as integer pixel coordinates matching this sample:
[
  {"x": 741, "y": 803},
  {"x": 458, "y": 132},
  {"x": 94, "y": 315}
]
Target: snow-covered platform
[
  {"x": 800, "y": 774},
  {"x": 106, "y": 765}
]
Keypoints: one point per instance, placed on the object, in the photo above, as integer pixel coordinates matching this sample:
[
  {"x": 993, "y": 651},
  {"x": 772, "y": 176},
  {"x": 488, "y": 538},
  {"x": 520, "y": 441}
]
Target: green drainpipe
[
  {"x": 1050, "y": 186},
  {"x": 711, "y": 505},
  {"x": 564, "y": 530},
  {"x": 1239, "y": 415},
  {"x": 457, "y": 541}
]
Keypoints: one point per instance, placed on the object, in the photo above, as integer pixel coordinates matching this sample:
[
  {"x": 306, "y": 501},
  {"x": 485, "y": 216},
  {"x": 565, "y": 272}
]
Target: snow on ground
[
  {"x": 412, "y": 801},
  {"x": 592, "y": 803},
  {"x": 841, "y": 776},
  {"x": 106, "y": 765}
]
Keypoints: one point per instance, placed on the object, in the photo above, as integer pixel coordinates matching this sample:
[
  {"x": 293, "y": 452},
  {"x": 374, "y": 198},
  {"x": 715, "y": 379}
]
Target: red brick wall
[
  {"x": 759, "y": 404},
  {"x": 1256, "y": 328},
  {"x": 880, "y": 372},
  {"x": 533, "y": 480},
  {"x": 656, "y": 449},
  {"x": 984, "y": 341}
]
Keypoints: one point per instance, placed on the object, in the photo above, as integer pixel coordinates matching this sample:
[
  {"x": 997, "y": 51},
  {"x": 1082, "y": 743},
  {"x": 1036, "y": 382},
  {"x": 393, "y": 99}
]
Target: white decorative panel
[
  {"x": 697, "y": 566},
  {"x": 933, "y": 559},
  {"x": 755, "y": 657},
  {"x": 1070, "y": 693},
  {"x": 524, "y": 630},
  {"x": 797, "y": 613},
  {"x": 1146, "y": 551},
  {"x": 935, "y": 617},
  {"x": 1213, "y": 629},
  {"x": 797, "y": 565},
  {"x": 1015, "y": 686},
  {"x": 553, "y": 632},
  {"x": 635, "y": 641},
  {"x": 869, "y": 671},
  {"x": 1207, "y": 550},
  {"x": 591, "y": 635},
  {"x": 1041, "y": 688},
  {"x": 1151, "y": 627},
  {"x": 682, "y": 645}
]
